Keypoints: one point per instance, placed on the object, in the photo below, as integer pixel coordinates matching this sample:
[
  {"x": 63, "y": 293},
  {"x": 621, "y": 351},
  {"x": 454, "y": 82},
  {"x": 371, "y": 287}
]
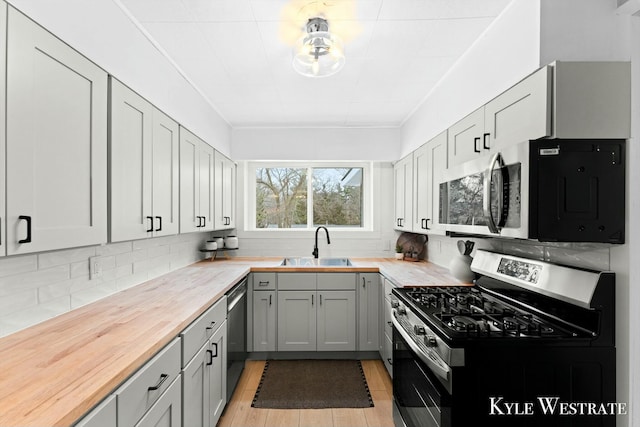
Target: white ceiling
[{"x": 237, "y": 54}]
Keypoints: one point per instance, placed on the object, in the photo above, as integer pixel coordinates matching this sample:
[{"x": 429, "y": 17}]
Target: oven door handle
[
  {"x": 486, "y": 200},
  {"x": 431, "y": 359}
]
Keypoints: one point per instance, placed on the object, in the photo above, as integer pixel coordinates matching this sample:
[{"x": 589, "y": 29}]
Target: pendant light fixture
[{"x": 319, "y": 53}]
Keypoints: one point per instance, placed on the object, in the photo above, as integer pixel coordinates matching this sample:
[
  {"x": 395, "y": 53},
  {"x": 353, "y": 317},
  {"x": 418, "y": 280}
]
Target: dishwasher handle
[{"x": 236, "y": 294}]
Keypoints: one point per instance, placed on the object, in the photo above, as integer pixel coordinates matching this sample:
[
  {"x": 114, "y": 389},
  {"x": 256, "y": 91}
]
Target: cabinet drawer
[
  {"x": 140, "y": 391},
  {"x": 201, "y": 329},
  {"x": 297, "y": 281},
  {"x": 337, "y": 281},
  {"x": 167, "y": 411},
  {"x": 264, "y": 281}
]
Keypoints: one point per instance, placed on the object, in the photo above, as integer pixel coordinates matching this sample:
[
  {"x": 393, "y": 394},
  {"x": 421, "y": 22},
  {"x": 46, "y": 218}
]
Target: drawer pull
[
  {"x": 163, "y": 378},
  {"x": 215, "y": 344},
  {"x": 389, "y": 360},
  {"x": 389, "y": 323},
  {"x": 210, "y": 353},
  {"x": 211, "y": 325},
  {"x": 261, "y": 283}
]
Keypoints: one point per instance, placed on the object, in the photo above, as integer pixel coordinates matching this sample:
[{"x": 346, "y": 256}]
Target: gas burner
[{"x": 523, "y": 325}]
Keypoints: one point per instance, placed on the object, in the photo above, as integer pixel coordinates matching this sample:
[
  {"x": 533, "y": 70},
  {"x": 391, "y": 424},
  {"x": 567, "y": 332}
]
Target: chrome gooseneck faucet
[{"x": 315, "y": 245}]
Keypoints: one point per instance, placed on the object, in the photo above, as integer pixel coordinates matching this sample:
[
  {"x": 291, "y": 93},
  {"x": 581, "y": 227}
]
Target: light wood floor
[{"x": 239, "y": 412}]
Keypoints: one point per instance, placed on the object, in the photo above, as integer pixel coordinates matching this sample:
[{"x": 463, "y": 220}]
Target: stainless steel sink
[{"x": 315, "y": 262}]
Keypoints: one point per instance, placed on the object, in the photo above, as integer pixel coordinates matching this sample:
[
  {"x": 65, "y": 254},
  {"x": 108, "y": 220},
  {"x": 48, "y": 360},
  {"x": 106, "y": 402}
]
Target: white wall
[
  {"x": 89, "y": 27},
  {"x": 502, "y": 56},
  {"x": 381, "y": 144}
]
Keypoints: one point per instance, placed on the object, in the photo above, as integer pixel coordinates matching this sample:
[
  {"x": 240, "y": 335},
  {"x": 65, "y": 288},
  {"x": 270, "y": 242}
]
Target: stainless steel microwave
[{"x": 548, "y": 190}]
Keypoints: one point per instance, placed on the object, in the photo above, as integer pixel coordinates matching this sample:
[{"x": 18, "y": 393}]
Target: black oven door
[{"x": 419, "y": 397}]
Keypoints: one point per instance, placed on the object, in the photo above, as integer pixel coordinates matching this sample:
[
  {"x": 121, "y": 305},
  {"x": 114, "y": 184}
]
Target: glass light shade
[{"x": 319, "y": 54}]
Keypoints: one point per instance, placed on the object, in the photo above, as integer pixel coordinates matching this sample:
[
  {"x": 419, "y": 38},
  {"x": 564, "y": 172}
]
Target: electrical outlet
[{"x": 95, "y": 267}]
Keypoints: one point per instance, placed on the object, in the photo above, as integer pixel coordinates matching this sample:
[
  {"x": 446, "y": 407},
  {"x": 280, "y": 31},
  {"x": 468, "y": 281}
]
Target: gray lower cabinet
[
  {"x": 296, "y": 320},
  {"x": 368, "y": 311},
  {"x": 218, "y": 374},
  {"x": 336, "y": 321},
  {"x": 103, "y": 415},
  {"x": 316, "y": 312},
  {"x": 204, "y": 373},
  {"x": 386, "y": 344},
  {"x": 264, "y": 320},
  {"x": 167, "y": 411}
]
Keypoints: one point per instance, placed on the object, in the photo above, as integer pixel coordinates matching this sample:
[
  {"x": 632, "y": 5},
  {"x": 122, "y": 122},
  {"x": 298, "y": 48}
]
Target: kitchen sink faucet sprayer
[{"x": 315, "y": 245}]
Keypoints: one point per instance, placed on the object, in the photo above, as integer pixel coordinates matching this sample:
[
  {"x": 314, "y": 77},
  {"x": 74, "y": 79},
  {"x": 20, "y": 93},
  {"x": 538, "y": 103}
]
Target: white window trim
[{"x": 367, "y": 194}]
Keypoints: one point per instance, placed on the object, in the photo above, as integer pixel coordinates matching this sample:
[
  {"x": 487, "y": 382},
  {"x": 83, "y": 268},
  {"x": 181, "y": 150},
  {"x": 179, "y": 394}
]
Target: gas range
[{"x": 525, "y": 329}]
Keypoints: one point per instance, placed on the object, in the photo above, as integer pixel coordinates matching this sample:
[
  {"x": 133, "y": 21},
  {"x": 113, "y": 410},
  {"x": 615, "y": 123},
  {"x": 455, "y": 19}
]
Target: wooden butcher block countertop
[{"x": 52, "y": 373}]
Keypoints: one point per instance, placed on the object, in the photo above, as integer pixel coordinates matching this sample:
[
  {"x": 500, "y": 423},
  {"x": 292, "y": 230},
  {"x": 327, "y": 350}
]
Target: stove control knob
[
  {"x": 430, "y": 341},
  {"x": 419, "y": 330},
  {"x": 394, "y": 304},
  {"x": 402, "y": 310}
]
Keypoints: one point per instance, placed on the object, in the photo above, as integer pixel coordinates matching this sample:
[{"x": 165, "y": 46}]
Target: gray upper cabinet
[
  {"x": 403, "y": 190},
  {"x": 196, "y": 183},
  {"x": 368, "y": 311},
  {"x": 224, "y": 192},
  {"x": 429, "y": 161},
  {"x": 56, "y": 143},
  {"x": 467, "y": 139},
  {"x": 144, "y": 168}
]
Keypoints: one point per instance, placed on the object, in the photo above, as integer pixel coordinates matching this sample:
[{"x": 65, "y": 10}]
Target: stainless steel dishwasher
[{"x": 236, "y": 334}]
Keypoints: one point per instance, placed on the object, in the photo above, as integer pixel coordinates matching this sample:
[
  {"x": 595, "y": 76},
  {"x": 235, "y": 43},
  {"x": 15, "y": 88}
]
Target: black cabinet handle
[
  {"x": 215, "y": 344},
  {"x": 210, "y": 353},
  {"x": 311, "y": 300},
  {"x": 485, "y": 140},
  {"x": 320, "y": 299},
  {"x": 159, "y": 218},
  {"x": 475, "y": 145},
  {"x": 28, "y": 219},
  {"x": 389, "y": 360},
  {"x": 426, "y": 223},
  {"x": 211, "y": 325},
  {"x": 263, "y": 283},
  {"x": 163, "y": 378},
  {"x": 270, "y": 299},
  {"x": 150, "y": 219},
  {"x": 363, "y": 282}
]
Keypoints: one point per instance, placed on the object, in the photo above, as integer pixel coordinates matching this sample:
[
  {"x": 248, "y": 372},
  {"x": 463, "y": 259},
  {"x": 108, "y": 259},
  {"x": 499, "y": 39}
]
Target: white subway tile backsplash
[
  {"x": 34, "y": 288},
  {"x": 10, "y": 266},
  {"x": 50, "y": 259},
  {"x": 33, "y": 279},
  {"x": 18, "y": 301}
]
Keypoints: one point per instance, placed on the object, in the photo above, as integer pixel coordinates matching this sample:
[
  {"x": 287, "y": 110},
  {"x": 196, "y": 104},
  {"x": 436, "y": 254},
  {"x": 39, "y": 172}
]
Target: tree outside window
[{"x": 309, "y": 197}]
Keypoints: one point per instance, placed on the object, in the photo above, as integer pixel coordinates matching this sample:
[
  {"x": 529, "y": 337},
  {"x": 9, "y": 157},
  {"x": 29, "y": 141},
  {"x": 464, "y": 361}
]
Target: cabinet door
[
  {"x": 167, "y": 411},
  {"x": 421, "y": 203},
  {"x": 296, "y": 320},
  {"x": 437, "y": 161},
  {"x": 403, "y": 184},
  {"x": 195, "y": 389},
  {"x": 521, "y": 113},
  {"x": 131, "y": 159},
  {"x": 3, "y": 52},
  {"x": 218, "y": 374},
  {"x": 103, "y": 415},
  {"x": 368, "y": 310},
  {"x": 225, "y": 192},
  {"x": 196, "y": 183},
  {"x": 264, "y": 321},
  {"x": 467, "y": 138},
  {"x": 165, "y": 174},
  {"x": 56, "y": 146},
  {"x": 336, "y": 321},
  {"x": 205, "y": 185}
]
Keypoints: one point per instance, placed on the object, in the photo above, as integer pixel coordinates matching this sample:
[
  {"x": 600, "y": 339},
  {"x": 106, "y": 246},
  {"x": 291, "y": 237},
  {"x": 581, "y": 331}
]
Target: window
[{"x": 293, "y": 197}]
